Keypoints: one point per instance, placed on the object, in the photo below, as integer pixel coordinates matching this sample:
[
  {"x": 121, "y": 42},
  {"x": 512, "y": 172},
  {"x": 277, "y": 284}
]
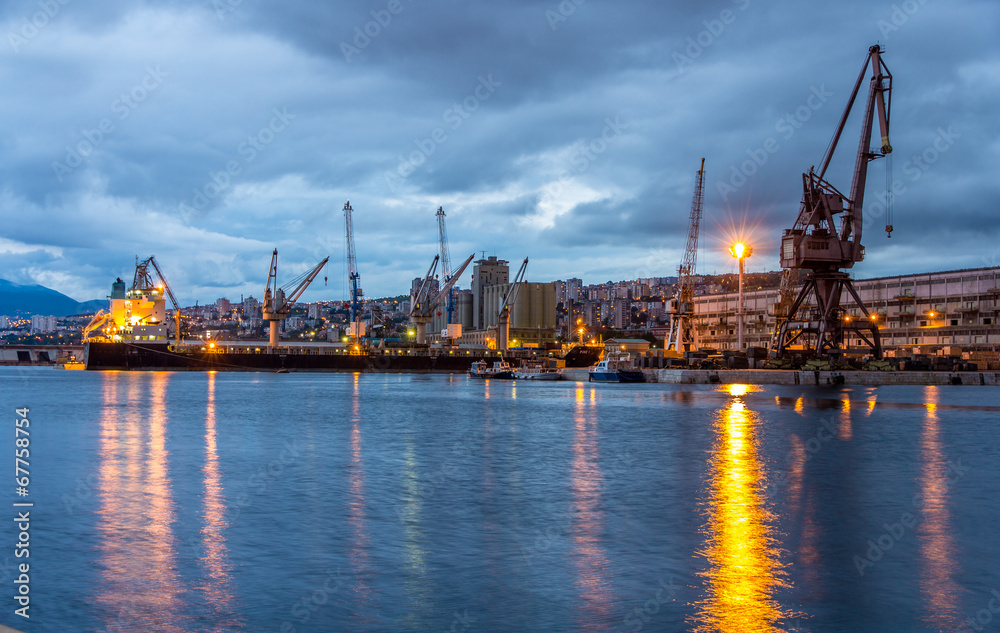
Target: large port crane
[
  {"x": 422, "y": 304},
  {"x": 818, "y": 246},
  {"x": 683, "y": 335},
  {"x": 353, "y": 276},
  {"x": 278, "y": 301},
  {"x": 509, "y": 298},
  {"x": 445, "y": 260}
]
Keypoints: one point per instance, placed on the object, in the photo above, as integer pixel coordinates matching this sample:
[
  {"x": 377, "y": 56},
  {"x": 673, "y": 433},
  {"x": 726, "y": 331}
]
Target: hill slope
[{"x": 37, "y": 299}]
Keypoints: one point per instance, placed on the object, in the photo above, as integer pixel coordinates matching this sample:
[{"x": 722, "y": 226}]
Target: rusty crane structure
[{"x": 824, "y": 249}]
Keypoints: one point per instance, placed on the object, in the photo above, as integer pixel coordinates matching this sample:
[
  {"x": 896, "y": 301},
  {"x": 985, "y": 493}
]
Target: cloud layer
[{"x": 209, "y": 133}]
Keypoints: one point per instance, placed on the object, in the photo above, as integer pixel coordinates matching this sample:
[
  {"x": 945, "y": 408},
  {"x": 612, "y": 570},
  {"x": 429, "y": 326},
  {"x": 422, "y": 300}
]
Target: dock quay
[{"x": 798, "y": 377}]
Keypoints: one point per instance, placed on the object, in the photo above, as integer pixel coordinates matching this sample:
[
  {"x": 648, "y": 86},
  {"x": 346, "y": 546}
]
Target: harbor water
[{"x": 413, "y": 502}]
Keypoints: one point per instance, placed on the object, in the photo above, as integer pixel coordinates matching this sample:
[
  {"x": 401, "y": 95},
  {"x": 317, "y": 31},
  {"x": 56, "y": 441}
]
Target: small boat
[
  {"x": 500, "y": 370},
  {"x": 616, "y": 368},
  {"x": 535, "y": 370},
  {"x": 479, "y": 369}
]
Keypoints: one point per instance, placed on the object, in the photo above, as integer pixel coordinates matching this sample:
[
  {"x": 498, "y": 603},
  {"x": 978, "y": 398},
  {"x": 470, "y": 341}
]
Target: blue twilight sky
[{"x": 208, "y": 133}]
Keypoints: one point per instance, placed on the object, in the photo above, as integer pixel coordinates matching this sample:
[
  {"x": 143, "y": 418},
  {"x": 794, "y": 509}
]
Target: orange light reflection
[
  {"x": 745, "y": 568},
  {"x": 586, "y": 481},
  {"x": 937, "y": 549},
  {"x": 140, "y": 589},
  {"x": 215, "y": 556}
]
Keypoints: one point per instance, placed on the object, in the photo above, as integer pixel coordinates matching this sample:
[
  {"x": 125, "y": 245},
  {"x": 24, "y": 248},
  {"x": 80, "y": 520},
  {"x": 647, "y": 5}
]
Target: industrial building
[
  {"x": 952, "y": 308},
  {"x": 532, "y": 316}
]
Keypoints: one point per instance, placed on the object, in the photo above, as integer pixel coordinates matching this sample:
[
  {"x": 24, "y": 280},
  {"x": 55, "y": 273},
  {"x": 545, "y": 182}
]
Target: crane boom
[
  {"x": 443, "y": 239},
  {"x": 453, "y": 279},
  {"x": 143, "y": 279},
  {"x": 354, "y": 276},
  {"x": 445, "y": 260},
  {"x": 278, "y": 302},
  {"x": 682, "y": 333},
  {"x": 816, "y": 244},
  {"x": 503, "y": 327}
]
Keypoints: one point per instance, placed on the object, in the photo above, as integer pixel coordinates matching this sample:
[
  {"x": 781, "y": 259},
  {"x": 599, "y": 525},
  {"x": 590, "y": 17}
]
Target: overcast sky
[{"x": 209, "y": 133}]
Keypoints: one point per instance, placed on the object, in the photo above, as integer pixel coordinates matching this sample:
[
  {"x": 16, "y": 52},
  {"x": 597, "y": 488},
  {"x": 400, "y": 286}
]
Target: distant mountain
[{"x": 37, "y": 299}]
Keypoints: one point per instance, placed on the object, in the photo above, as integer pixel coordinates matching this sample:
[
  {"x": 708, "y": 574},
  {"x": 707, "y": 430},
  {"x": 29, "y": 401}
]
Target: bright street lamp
[{"x": 740, "y": 251}]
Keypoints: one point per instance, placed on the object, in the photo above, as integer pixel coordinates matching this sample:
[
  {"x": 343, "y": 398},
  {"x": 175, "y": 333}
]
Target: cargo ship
[{"x": 134, "y": 336}]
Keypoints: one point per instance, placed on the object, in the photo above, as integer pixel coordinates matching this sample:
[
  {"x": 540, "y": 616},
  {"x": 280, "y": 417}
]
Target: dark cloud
[{"x": 567, "y": 132}]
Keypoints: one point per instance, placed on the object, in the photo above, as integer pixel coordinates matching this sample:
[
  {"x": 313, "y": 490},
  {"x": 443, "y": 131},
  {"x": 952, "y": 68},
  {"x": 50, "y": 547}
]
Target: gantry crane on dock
[
  {"x": 445, "y": 261},
  {"x": 817, "y": 245},
  {"x": 354, "y": 278},
  {"x": 423, "y": 304},
  {"x": 278, "y": 301},
  {"x": 503, "y": 316},
  {"x": 683, "y": 335}
]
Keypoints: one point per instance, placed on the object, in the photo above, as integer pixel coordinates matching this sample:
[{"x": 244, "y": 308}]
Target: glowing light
[{"x": 739, "y": 250}]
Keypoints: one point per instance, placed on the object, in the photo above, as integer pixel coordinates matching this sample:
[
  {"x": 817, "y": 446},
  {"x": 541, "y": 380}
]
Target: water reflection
[
  {"x": 744, "y": 567},
  {"x": 140, "y": 587},
  {"x": 360, "y": 543},
  {"x": 937, "y": 548},
  {"x": 586, "y": 481},
  {"x": 215, "y": 554}
]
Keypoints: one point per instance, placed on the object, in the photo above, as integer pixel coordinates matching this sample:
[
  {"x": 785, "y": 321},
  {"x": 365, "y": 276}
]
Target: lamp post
[{"x": 740, "y": 251}]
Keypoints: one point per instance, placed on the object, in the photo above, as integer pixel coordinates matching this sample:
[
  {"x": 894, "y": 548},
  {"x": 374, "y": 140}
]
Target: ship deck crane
[
  {"x": 503, "y": 321},
  {"x": 422, "y": 304},
  {"x": 683, "y": 335},
  {"x": 354, "y": 277},
  {"x": 818, "y": 246},
  {"x": 143, "y": 279},
  {"x": 99, "y": 320},
  {"x": 445, "y": 260},
  {"x": 278, "y": 301}
]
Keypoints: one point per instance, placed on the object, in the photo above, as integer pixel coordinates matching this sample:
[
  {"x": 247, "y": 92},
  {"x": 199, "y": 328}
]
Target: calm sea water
[{"x": 397, "y": 502}]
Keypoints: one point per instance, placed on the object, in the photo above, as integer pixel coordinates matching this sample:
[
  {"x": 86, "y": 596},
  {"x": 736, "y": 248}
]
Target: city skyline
[{"x": 208, "y": 134}]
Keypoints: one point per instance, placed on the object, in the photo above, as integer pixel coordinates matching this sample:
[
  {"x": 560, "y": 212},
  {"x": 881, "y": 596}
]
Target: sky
[{"x": 209, "y": 133}]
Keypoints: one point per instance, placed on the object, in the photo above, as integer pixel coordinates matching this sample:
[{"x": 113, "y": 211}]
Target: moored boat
[
  {"x": 500, "y": 370},
  {"x": 616, "y": 368},
  {"x": 536, "y": 370}
]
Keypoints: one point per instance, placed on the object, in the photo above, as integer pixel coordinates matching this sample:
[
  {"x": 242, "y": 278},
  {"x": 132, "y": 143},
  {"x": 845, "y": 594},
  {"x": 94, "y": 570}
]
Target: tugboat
[
  {"x": 536, "y": 370},
  {"x": 616, "y": 367}
]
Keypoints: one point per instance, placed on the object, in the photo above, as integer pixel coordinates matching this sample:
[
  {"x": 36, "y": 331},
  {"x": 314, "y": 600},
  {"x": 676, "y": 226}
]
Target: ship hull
[{"x": 161, "y": 357}]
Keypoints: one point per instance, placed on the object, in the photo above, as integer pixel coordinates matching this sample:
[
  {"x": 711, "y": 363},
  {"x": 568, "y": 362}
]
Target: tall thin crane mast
[
  {"x": 683, "y": 334},
  {"x": 816, "y": 244},
  {"x": 445, "y": 258},
  {"x": 354, "y": 277}
]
